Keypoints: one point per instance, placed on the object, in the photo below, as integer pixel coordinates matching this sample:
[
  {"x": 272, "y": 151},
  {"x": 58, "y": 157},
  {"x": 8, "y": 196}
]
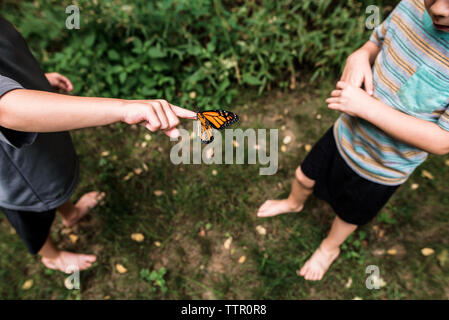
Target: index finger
[{"x": 184, "y": 113}]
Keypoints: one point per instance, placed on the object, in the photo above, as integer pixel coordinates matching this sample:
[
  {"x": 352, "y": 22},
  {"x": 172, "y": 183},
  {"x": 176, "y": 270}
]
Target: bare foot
[
  {"x": 66, "y": 261},
  {"x": 82, "y": 207},
  {"x": 315, "y": 268},
  {"x": 273, "y": 208}
]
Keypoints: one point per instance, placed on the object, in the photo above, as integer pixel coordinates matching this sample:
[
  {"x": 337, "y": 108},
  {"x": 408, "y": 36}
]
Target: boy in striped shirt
[{"x": 385, "y": 131}]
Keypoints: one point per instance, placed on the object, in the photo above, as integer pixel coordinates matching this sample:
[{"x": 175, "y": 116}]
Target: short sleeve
[
  {"x": 443, "y": 121},
  {"x": 380, "y": 32},
  {"x": 16, "y": 139}
]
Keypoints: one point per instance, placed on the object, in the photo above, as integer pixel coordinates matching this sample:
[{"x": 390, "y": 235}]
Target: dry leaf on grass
[
  {"x": 287, "y": 139},
  {"x": 349, "y": 283},
  {"x": 242, "y": 259},
  {"x": 202, "y": 233},
  {"x": 120, "y": 268},
  {"x": 283, "y": 148},
  {"x": 392, "y": 252},
  {"x": 214, "y": 172},
  {"x": 427, "y": 251},
  {"x": 27, "y": 284},
  {"x": 414, "y": 186},
  {"x": 426, "y": 174},
  {"x": 138, "y": 171},
  {"x": 138, "y": 237},
  {"x": 261, "y": 230},
  {"x": 157, "y": 244},
  {"x": 227, "y": 243},
  {"x": 443, "y": 257},
  {"x": 148, "y": 137},
  {"x": 158, "y": 193},
  {"x": 318, "y": 116},
  {"x": 105, "y": 153},
  {"x": 308, "y": 147},
  {"x": 128, "y": 176},
  {"x": 73, "y": 238},
  {"x": 447, "y": 162}
]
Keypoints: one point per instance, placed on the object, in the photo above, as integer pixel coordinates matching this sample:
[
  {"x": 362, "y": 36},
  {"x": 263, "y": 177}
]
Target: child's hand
[
  {"x": 349, "y": 99},
  {"x": 58, "y": 81},
  {"x": 358, "y": 71},
  {"x": 156, "y": 115}
]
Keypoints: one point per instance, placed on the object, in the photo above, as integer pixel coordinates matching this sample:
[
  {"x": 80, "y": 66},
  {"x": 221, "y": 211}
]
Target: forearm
[
  {"x": 419, "y": 133},
  {"x": 40, "y": 111},
  {"x": 371, "y": 50}
]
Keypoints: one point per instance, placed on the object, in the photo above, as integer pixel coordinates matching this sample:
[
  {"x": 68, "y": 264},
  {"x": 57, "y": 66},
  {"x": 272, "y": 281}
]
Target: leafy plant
[{"x": 155, "y": 277}]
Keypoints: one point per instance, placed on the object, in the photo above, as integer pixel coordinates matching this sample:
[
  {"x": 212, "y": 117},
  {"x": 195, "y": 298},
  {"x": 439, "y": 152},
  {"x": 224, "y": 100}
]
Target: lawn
[{"x": 188, "y": 212}]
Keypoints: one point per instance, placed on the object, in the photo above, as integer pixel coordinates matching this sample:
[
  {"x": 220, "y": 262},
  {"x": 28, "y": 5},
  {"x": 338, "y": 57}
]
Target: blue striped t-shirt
[{"x": 411, "y": 74}]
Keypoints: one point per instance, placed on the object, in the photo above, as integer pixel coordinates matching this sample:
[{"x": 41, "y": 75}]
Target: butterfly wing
[
  {"x": 206, "y": 133},
  {"x": 220, "y": 119}
]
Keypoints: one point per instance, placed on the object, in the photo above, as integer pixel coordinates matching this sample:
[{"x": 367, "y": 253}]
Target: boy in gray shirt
[{"x": 38, "y": 164}]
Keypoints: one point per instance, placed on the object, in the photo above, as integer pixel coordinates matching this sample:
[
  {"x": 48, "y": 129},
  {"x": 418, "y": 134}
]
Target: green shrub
[{"x": 179, "y": 50}]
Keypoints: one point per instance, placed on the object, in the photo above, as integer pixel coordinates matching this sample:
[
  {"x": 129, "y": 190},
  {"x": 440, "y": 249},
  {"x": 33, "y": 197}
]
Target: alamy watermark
[
  {"x": 373, "y": 20},
  {"x": 73, "y": 20},
  {"x": 72, "y": 282},
  {"x": 189, "y": 149}
]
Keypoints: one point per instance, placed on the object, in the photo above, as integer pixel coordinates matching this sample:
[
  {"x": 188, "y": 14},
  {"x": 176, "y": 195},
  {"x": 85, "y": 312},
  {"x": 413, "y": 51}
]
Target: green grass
[{"x": 198, "y": 267}]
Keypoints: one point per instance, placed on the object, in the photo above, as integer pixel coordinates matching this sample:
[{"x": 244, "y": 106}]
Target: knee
[{"x": 303, "y": 180}]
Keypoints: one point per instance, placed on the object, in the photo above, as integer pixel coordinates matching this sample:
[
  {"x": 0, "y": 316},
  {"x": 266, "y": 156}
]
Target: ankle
[
  {"x": 294, "y": 204},
  {"x": 328, "y": 246}
]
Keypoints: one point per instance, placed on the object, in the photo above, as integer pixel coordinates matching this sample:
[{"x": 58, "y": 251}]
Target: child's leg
[
  {"x": 302, "y": 188},
  {"x": 71, "y": 213},
  {"x": 328, "y": 251},
  {"x": 56, "y": 259}
]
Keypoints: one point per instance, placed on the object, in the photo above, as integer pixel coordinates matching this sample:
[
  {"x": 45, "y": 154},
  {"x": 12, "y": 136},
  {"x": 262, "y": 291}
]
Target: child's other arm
[
  {"x": 39, "y": 111},
  {"x": 357, "y": 70},
  {"x": 422, "y": 134}
]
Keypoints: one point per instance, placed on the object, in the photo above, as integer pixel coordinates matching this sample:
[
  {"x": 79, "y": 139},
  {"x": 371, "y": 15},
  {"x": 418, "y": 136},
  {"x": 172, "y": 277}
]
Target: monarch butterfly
[{"x": 215, "y": 119}]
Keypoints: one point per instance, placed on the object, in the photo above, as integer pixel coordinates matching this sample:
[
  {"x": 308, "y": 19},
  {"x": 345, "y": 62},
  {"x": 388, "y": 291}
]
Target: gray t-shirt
[{"x": 38, "y": 171}]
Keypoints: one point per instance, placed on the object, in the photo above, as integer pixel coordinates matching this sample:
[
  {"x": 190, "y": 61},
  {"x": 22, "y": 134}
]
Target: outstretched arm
[
  {"x": 40, "y": 111},
  {"x": 422, "y": 134}
]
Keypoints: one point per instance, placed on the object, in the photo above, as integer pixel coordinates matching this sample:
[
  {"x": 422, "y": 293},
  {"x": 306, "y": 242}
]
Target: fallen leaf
[
  {"x": 128, "y": 176},
  {"x": 214, "y": 172},
  {"x": 287, "y": 140},
  {"x": 27, "y": 284},
  {"x": 148, "y": 137},
  {"x": 447, "y": 162},
  {"x": 349, "y": 283},
  {"x": 202, "y": 233},
  {"x": 138, "y": 237},
  {"x": 443, "y": 257},
  {"x": 414, "y": 186},
  {"x": 143, "y": 144},
  {"x": 283, "y": 148},
  {"x": 105, "y": 153},
  {"x": 378, "y": 252},
  {"x": 227, "y": 243},
  {"x": 138, "y": 171},
  {"x": 427, "y": 251},
  {"x": 308, "y": 147},
  {"x": 426, "y": 174},
  {"x": 12, "y": 230},
  {"x": 261, "y": 230},
  {"x": 318, "y": 116},
  {"x": 120, "y": 268},
  {"x": 158, "y": 193},
  {"x": 73, "y": 238},
  {"x": 392, "y": 252},
  {"x": 175, "y": 192},
  {"x": 242, "y": 259},
  {"x": 107, "y": 297},
  {"x": 157, "y": 244},
  {"x": 283, "y": 127},
  {"x": 145, "y": 167},
  {"x": 192, "y": 95}
]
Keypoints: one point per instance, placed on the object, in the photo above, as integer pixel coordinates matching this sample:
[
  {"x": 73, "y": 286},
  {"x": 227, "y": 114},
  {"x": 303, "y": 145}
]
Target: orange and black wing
[
  {"x": 219, "y": 119},
  {"x": 206, "y": 132}
]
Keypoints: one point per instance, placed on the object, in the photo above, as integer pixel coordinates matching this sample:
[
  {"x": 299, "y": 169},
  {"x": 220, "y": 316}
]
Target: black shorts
[
  {"x": 354, "y": 199},
  {"x": 32, "y": 227}
]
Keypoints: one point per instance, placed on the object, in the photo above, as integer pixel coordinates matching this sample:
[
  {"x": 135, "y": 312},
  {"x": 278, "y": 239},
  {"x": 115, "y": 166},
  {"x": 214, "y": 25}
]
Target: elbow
[{"x": 439, "y": 150}]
